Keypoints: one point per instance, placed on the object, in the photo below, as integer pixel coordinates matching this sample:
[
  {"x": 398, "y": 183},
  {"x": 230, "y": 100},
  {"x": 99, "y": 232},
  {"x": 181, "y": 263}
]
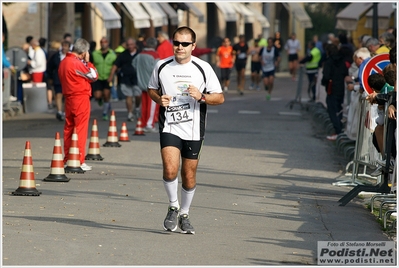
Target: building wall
[
  {"x": 257, "y": 28},
  {"x": 61, "y": 20},
  {"x": 31, "y": 19},
  {"x": 23, "y": 19},
  {"x": 360, "y": 30},
  {"x": 97, "y": 26},
  {"x": 189, "y": 19}
]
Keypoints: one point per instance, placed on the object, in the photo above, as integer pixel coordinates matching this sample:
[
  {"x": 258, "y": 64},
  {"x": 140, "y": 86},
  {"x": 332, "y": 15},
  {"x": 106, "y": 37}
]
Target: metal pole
[
  {"x": 188, "y": 17},
  {"x": 335, "y": 16},
  {"x": 293, "y": 22},
  {"x": 375, "y": 20}
]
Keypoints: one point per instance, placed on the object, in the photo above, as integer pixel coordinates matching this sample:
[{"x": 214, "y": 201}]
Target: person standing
[
  {"x": 165, "y": 48},
  {"x": 318, "y": 43},
  {"x": 270, "y": 59},
  {"x": 240, "y": 50},
  {"x": 128, "y": 78},
  {"x": 140, "y": 42},
  {"x": 293, "y": 47},
  {"x": 183, "y": 85},
  {"x": 262, "y": 41},
  {"x": 225, "y": 61},
  {"x": 278, "y": 44},
  {"x": 68, "y": 37},
  {"x": 144, "y": 64},
  {"x": 38, "y": 62},
  {"x": 42, "y": 44},
  {"x": 6, "y": 63},
  {"x": 311, "y": 62},
  {"x": 53, "y": 65},
  {"x": 103, "y": 60},
  {"x": 372, "y": 45},
  {"x": 334, "y": 73},
  {"x": 387, "y": 41},
  {"x": 255, "y": 65},
  {"x": 76, "y": 73}
]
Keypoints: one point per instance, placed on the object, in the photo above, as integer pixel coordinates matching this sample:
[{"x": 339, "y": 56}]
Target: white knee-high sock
[
  {"x": 171, "y": 191},
  {"x": 186, "y": 199}
]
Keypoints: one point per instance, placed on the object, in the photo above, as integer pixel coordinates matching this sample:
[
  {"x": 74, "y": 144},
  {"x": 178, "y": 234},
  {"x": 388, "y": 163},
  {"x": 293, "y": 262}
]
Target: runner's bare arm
[
  {"x": 211, "y": 99},
  {"x": 214, "y": 98},
  {"x": 161, "y": 100}
]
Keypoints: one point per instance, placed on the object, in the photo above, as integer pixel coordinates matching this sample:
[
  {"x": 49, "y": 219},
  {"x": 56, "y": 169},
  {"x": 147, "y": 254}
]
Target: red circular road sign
[{"x": 375, "y": 65}]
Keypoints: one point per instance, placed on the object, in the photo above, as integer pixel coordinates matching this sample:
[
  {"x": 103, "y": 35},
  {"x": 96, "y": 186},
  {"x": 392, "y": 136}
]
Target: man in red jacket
[
  {"x": 76, "y": 73},
  {"x": 165, "y": 48}
]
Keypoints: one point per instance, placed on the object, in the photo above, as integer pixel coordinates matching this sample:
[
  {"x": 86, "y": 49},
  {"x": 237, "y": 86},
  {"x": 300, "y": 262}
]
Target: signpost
[{"x": 375, "y": 65}]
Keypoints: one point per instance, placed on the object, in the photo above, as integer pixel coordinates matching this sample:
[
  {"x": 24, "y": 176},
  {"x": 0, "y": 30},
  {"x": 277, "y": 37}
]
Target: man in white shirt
[
  {"x": 293, "y": 47},
  {"x": 38, "y": 62},
  {"x": 183, "y": 86}
]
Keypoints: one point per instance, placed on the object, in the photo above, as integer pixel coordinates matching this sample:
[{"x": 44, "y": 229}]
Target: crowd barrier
[
  {"x": 10, "y": 108},
  {"x": 367, "y": 155},
  {"x": 298, "y": 95},
  {"x": 356, "y": 142}
]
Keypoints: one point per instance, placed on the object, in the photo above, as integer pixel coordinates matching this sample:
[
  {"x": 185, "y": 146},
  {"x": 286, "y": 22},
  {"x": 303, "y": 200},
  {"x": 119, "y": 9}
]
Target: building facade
[{"x": 212, "y": 21}]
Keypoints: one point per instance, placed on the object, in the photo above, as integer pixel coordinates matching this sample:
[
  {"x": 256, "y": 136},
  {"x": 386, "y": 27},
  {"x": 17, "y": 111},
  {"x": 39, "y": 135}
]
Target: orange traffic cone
[
  {"x": 73, "y": 163},
  {"x": 124, "y": 135},
  {"x": 112, "y": 139},
  {"x": 27, "y": 185},
  {"x": 94, "y": 145},
  {"x": 57, "y": 172},
  {"x": 139, "y": 130}
]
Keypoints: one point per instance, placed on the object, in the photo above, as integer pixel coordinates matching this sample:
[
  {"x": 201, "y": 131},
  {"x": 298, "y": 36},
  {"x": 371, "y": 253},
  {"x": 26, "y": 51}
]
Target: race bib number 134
[{"x": 179, "y": 114}]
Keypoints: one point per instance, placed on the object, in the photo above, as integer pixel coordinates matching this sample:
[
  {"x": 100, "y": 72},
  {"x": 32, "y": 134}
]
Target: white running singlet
[{"x": 185, "y": 117}]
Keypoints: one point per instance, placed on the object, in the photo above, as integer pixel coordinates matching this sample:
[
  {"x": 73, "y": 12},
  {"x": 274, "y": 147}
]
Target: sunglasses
[{"x": 184, "y": 44}]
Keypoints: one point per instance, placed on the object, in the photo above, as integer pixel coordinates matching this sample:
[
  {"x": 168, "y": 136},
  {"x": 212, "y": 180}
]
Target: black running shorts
[{"x": 188, "y": 149}]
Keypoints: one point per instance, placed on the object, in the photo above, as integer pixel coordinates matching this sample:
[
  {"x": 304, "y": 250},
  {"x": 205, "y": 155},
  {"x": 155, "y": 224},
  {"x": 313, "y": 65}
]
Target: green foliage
[{"x": 323, "y": 16}]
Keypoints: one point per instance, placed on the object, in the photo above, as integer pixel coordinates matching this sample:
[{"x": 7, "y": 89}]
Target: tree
[{"x": 323, "y": 16}]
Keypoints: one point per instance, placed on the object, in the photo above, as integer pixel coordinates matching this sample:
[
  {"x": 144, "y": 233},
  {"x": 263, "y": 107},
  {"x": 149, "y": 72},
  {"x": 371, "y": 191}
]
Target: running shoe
[
  {"x": 130, "y": 117},
  {"x": 170, "y": 222},
  {"x": 59, "y": 116},
  {"x": 85, "y": 167},
  {"x": 377, "y": 172},
  {"x": 268, "y": 97},
  {"x": 150, "y": 130},
  {"x": 105, "y": 117},
  {"x": 185, "y": 225},
  {"x": 332, "y": 137}
]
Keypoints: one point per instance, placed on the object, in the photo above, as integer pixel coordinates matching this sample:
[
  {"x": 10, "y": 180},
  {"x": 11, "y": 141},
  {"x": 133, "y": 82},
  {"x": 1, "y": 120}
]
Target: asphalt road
[{"x": 264, "y": 195}]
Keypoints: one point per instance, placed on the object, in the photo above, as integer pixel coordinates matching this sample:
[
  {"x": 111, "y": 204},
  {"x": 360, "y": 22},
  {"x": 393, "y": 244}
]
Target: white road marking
[
  {"x": 248, "y": 112},
  {"x": 290, "y": 113}
]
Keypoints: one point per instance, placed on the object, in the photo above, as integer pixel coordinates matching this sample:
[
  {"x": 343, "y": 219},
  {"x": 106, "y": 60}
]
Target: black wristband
[{"x": 202, "y": 100}]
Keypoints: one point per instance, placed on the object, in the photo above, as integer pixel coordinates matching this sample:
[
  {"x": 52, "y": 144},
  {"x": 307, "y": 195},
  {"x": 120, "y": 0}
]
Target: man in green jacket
[
  {"x": 311, "y": 62},
  {"x": 103, "y": 59}
]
